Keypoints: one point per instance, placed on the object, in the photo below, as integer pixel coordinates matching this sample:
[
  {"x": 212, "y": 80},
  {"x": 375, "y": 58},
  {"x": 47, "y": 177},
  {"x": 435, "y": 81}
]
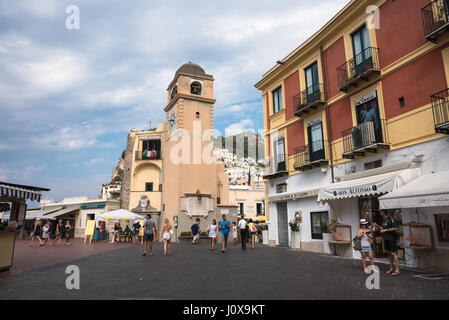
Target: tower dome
[{"x": 192, "y": 69}]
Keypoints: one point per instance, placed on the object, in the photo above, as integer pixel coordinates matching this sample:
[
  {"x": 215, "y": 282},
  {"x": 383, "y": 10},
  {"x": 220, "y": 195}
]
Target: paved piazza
[{"x": 193, "y": 272}]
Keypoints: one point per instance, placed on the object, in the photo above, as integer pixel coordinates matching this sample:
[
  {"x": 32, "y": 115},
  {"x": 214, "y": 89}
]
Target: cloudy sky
[{"x": 68, "y": 98}]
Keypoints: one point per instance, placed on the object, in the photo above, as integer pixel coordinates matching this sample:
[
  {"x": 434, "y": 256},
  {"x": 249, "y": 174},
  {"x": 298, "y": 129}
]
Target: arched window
[
  {"x": 174, "y": 92},
  {"x": 195, "y": 88}
]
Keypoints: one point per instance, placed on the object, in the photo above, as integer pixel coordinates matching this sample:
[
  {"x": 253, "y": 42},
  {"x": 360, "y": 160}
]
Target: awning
[
  {"x": 60, "y": 212},
  {"x": 430, "y": 190},
  {"x": 120, "y": 214},
  {"x": 374, "y": 185},
  {"x": 40, "y": 214},
  {"x": 21, "y": 192}
]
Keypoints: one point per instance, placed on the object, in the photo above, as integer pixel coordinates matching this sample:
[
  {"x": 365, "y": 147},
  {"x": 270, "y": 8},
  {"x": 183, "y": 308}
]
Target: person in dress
[
  {"x": 167, "y": 232},
  {"x": 36, "y": 233},
  {"x": 67, "y": 229},
  {"x": 212, "y": 232},
  {"x": 59, "y": 232}
]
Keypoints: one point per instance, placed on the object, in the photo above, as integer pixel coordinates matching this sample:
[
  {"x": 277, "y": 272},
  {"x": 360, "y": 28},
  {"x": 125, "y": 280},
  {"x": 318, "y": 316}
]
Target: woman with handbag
[
  {"x": 46, "y": 233},
  {"x": 365, "y": 236},
  {"x": 167, "y": 232}
]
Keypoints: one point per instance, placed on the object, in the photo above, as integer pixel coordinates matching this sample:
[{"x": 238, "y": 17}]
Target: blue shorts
[{"x": 225, "y": 234}]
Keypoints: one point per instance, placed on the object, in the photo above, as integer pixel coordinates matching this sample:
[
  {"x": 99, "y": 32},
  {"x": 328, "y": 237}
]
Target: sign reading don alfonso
[{"x": 347, "y": 190}]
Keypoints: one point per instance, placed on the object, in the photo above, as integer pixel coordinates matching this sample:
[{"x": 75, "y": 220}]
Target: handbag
[
  {"x": 357, "y": 243},
  {"x": 45, "y": 229}
]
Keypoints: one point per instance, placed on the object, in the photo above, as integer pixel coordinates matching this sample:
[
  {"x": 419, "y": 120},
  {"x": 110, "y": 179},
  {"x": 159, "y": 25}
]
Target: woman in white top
[
  {"x": 46, "y": 233},
  {"x": 212, "y": 234},
  {"x": 364, "y": 234},
  {"x": 167, "y": 231}
]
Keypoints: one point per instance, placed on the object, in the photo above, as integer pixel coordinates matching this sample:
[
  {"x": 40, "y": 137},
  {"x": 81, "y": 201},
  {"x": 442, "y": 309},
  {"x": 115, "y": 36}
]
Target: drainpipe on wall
[{"x": 328, "y": 121}]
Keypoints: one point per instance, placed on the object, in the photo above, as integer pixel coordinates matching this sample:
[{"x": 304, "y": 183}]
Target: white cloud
[{"x": 239, "y": 127}]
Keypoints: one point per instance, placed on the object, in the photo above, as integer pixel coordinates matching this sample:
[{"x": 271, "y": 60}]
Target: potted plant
[
  {"x": 295, "y": 235},
  {"x": 327, "y": 236}
]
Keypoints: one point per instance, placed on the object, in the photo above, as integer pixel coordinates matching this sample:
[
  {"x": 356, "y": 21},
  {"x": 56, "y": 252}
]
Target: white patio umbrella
[{"x": 120, "y": 214}]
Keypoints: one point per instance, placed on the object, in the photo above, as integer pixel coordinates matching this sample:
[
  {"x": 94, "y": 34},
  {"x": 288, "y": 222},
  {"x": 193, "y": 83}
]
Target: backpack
[{"x": 357, "y": 243}]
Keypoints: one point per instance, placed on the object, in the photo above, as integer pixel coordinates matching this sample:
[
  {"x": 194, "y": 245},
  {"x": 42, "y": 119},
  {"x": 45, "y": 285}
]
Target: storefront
[
  {"x": 14, "y": 197},
  {"x": 425, "y": 206},
  {"x": 351, "y": 200}
]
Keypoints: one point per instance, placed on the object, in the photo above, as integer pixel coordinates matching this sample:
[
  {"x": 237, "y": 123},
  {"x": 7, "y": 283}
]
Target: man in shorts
[
  {"x": 148, "y": 234},
  {"x": 136, "y": 230},
  {"x": 225, "y": 225},
  {"x": 196, "y": 231},
  {"x": 389, "y": 230}
]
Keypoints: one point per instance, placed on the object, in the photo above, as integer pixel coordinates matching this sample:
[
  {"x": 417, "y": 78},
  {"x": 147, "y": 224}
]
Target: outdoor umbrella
[
  {"x": 120, "y": 214},
  {"x": 259, "y": 219}
]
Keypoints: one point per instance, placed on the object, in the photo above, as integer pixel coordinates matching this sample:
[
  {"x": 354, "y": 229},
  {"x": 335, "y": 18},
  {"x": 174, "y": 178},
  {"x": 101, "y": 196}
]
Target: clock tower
[{"x": 192, "y": 180}]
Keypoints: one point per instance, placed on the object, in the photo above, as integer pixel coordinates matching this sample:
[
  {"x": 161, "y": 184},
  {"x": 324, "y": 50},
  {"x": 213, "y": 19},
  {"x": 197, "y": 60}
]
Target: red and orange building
[{"x": 362, "y": 104}]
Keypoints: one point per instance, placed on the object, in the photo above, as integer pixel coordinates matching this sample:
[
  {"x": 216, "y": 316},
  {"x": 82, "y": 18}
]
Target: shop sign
[
  {"x": 293, "y": 196},
  {"x": 93, "y": 206},
  {"x": 379, "y": 187},
  {"x": 370, "y": 96}
]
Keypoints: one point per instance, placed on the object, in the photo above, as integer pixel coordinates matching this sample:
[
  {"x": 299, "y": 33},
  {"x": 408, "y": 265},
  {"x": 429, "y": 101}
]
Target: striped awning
[{"x": 21, "y": 193}]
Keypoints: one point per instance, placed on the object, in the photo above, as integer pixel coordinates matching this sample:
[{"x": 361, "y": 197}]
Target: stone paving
[{"x": 194, "y": 272}]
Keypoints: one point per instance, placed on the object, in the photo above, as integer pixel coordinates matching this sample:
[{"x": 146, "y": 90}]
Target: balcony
[
  {"x": 367, "y": 137},
  {"x": 309, "y": 99},
  {"x": 148, "y": 155},
  {"x": 358, "y": 69},
  {"x": 276, "y": 167},
  {"x": 309, "y": 157},
  {"x": 440, "y": 107},
  {"x": 435, "y": 19}
]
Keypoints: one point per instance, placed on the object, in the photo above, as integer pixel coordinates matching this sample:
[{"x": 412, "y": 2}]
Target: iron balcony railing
[
  {"x": 435, "y": 18},
  {"x": 148, "y": 155},
  {"x": 310, "y": 96},
  {"x": 308, "y": 154},
  {"x": 365, "y": 135},
  {"x": 440, "y": 107},
  {"x": 361, "y": 65}
]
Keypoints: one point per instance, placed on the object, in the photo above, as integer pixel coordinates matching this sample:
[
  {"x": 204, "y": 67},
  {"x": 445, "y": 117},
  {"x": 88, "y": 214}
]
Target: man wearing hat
[{"x": 365, "y": 236}]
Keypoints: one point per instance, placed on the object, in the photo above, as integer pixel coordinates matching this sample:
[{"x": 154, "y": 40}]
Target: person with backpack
[
  {"x": 389, "y": 230},
  {"x": 148, "y": 235},
  {"x": 365, "y": 236}
]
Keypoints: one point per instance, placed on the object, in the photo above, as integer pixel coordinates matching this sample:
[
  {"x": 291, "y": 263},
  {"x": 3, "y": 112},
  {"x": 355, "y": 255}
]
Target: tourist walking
[
  {"x": 46, "y": 231},
  {"x": 67, "y": 229},
  {"x": 389, "y": 230},
  {"x": 252, "y": 233},
  {"x": 59, "y": 232},
  {"x": 225, "y": 225},
  {"x": 136, "y": 229},
  {"x": 167, "y": 232},
  {"x": 148, "y": 235},
  {"x": 212, "y": 231},
  {"x": 243, "y": 230},
  {"x": 117, "y": 230},
  {"x": 196, "y": 231},
  {"x": 36, "y": 232},
  {"x": 365, "y": 236},
  {"x": 234, "y": 233}
]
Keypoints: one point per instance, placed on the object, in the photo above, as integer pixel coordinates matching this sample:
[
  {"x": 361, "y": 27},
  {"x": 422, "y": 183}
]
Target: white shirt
[
  {"x": 242, "y": 224},
  {"x": 212, "y": 231}
]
